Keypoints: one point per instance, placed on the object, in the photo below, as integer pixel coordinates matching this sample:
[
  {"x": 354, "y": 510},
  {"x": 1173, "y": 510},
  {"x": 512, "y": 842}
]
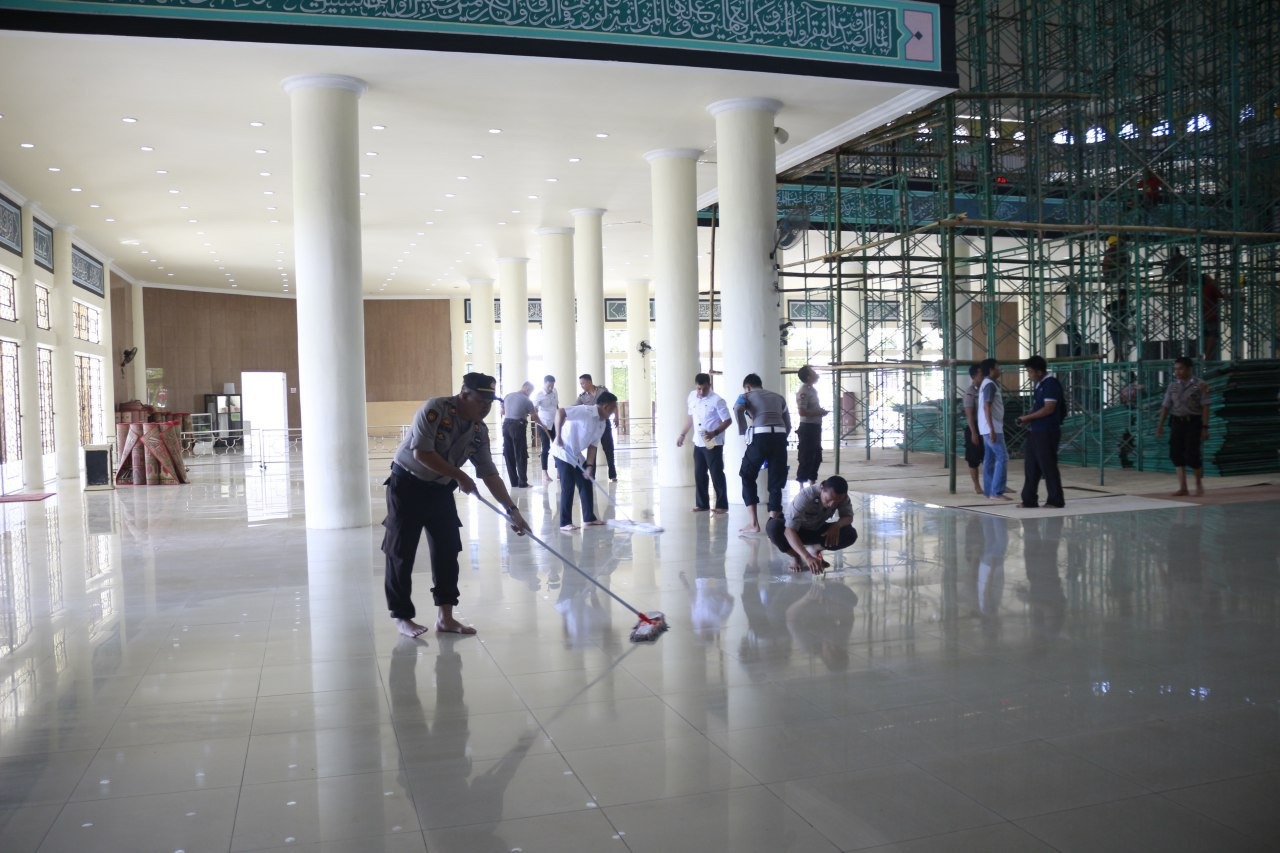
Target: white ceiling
[{"x": 194, "y": 102}]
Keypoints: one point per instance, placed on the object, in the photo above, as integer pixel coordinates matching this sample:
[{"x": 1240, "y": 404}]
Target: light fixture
[
  {"x": 76, "y": 190},
  {"x": 174, "y": 192},
  {"x": 264, "y": 174},
  {"x": 477, "y": 156},
  {"x": 495, "y": 130},
  {"x": 162, "y": 171},
  {"x": 54, "y": 169},
  {"x": 575, "y": 159},
  {"x": 255, "y": 124},
  {"x": 532, "y": 197},
  {"x": 147, "y": 148},
  {"x": 552, "y": 180},
  {"x": 371, "y": 153},
  {"x": 129, "y": 120},
  {"x": 602, "y": 136},
  {"x": 259, "y": 151},
  {"x": 26, "y": 145},
  {"x": 379, "y": 127}
]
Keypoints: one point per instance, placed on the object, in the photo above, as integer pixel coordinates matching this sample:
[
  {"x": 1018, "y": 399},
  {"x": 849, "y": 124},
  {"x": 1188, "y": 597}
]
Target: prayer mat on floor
[{"x": 29, "y": 496}]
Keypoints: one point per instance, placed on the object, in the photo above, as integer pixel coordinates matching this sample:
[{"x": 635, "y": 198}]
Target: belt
[
  {"x": 397, "y": 468},
  {"x": 769, "y": 429},
  {"x": 1185, "y": 418}
]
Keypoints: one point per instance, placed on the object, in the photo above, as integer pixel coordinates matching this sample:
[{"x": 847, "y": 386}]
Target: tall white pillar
[
  {"x": 457, "y": 342},
  {"x": 513, "y": 290},
  {"x": 640, "y": 367},
  {"x": 110, "y": 355},
  {"x": 556, "y": 249},
  {"x": 326, "y": 237},
  {"x": 674, "y": 189},
  {"x": 746, "y": 177},
  {"x": 28, "y": 364},
  {"x": 139, "y": 363},
  {"x": 588, "y": 285},
  {"x": 482, "y": 355},
  {"x": 66, "y": 410}
]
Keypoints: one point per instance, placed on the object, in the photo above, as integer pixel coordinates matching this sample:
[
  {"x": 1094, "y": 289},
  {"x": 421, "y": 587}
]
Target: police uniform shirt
[
  {"x": 547, "y": 402},
  {"x": 582, "y": 428},
  {"x": 517, "y": 406},
  {"x": 708, "y": 413},
  {"x": 807, "y": 398},
  {"x": 806, "y": 511},
  {"x": 1185, "y": 399},
  {"x": 767, "y": 410},
  {"x": 970, "y": 399},
  {"x": 438, "y": 426},
  {"x": 588, "y": 398},
  {"x": 989, "y": 392}
]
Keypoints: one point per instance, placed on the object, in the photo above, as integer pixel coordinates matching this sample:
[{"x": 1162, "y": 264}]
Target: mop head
[
  {"x": 649, "y": 628},
  {"x": 634, "y": 526}
]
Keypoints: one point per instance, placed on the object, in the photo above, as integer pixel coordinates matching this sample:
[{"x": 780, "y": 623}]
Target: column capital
[
  {"x": 324, "y": 81},
  {"x": 513, "y": 260},
  {"x": 769, "y": 105},
  {"x": 667, "y": 153},
  {"x": 587, "y": 211},
  {"x": 544, "y": 232}
]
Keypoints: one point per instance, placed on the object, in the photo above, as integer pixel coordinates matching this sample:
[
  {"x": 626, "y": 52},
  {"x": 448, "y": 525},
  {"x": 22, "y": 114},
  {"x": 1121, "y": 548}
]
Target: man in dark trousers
[
  {"x": 763, "y": 417},
  {"x": 1186, "y": 403},
  {"x": 516, "y": 410},
  {"x": 973, "y": 447},
  {"x": 808, "y": 529},
  {"x": 446, "y": 433},
  {"x": 588, "y": 397},
  {"x": 1044, "y": 430},
  {"x": 809, "y": 433}
]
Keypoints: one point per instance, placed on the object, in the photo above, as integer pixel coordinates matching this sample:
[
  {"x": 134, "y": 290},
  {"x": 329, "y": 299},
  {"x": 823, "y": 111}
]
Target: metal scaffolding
[{"x": 1104, "y": 190}]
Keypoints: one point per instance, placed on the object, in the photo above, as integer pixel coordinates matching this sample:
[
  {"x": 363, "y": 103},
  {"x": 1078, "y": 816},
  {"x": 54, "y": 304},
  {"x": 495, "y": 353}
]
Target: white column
[
  {"x": 746, "y": 178},
  {"x": 139, "y": 363},
  {"x": 513, "y": 290},
  {"x": 110, "y": 359},
  {"x": 66, "y": 410},
  {"x": 639, "y": 367},
  {"x": 482, "y": 328},
  {"x": 326, "y": 204},
  {"x": 675, "y": 290},
  {"x": 557, "y": 308},
  {"x": 458, "y": 341},
  {"x": 588, "y": 285},
  {"x": 28, "y": 364}
]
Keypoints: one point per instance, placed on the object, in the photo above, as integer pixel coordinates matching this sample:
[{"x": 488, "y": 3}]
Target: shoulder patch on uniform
[{"x": 432, "y": 416}]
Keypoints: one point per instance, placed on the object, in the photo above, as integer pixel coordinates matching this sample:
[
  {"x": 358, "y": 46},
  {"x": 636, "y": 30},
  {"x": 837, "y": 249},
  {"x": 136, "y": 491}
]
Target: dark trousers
[
  {"x": 973, "y": 452},
  {"x": 809, "y": 452},
  {"x": 776, "y": 530},
  {"x": 571, "y": 477},
  {"x": 771, "y": 448},
  {"x": 412, "y": 507},
  {"x": 606, "y": 444},
  {"x": 515, "y": 451},
  {"x": 709, "y": 461},
  {"x": 546, "y": 436},
  {"x": 1040, "y": 455},
  {"x": 1184, "y": 441}
]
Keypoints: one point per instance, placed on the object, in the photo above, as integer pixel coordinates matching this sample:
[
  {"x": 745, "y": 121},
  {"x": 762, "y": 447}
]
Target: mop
[
  {"x": 651, "y": 624},
  {"x": 625, "y": 523}
]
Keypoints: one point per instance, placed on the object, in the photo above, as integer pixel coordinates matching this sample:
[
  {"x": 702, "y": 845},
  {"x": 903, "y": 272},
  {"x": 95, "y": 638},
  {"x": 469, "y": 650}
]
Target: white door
[{"x": 265, "y": 411}]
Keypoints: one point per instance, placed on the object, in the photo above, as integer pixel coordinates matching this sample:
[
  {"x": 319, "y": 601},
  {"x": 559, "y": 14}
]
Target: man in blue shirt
[{"x": 1044, "y": 423}]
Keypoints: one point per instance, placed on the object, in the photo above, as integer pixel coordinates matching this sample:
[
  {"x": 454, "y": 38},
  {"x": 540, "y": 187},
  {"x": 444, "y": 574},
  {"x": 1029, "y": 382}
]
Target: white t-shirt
[
  {"x": 708, "y": 413},
  {"x": 582, "y": 428},
  {"x": 547, "y": 403},
  {"x": 989, "y": 392}
]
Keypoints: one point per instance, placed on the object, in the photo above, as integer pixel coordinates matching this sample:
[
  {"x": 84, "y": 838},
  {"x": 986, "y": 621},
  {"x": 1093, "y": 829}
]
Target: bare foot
[
  {"x": 794, "y": 566},
  {"x": 978, "y": 491},
  {"x": 1179, "y": 493},
  {"x": 410, "y": 628},
  {"x": 751, "y": 530},
  {"x": 719, "y": 512},
  {"x": 568, "y": 528},
  {"x": 698, "y": 509},
  {"x": 452, "y": 626},
  {"x": 594, "y": 523},
  {"x": 1199, "y": 491}
]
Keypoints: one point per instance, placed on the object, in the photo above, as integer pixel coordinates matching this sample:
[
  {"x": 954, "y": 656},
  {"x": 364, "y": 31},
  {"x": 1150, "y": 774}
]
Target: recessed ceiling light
[
  {"x": 379, "y": 127},
  {"x": 95, "y": 206},
  {"x": 495, "y": 130},
  {"x": 184, "y": 207},
  {"x": 271, "y": 209},
  {"x": 515, "y": 211},
  {"x": 274, "y": 221},
  {"x": 268, "y": 192},
  {"x": 430, "y": 223},
  {"x": 170, "y": 275},
  {"x": 502, "y": 223},
  {"x": 365, "y": 175},
  {"x": 110, "y": 219},
  {"x": 174, "y": 192},
  {"x": 76, "y": 190},
  {"x": 463, "y": 178},
  {"x": 162, "y": 171},
  {"x": 130, "y": 242},
  {"x": 420, "y": 234},
  {"x": 191, "y": 221},
  {"x": 371, "y": 153},
  {"x": 575, "y": 159},
  {"x": 144, "y": 252},
  {"x": 264, "y": 174},
  {"x": 534, "y": 197},
  {"x": 436, "y": 210},
  {"x": 602, "y": 136},
  {"x": 362, "y": 195},
  {"x": 255, "y": 124},
  {"x": 26, "y": 145},
  {"x": 147, "y": 148},
  {"x": 151, "y": 260},
  {"x": 54, "y": 169},
  {"x": 129, "y": 120},
  {"x": 477, "y": 156},
  {"x": 450, "y": 195},
  {"x": 260, "y": 151},
  {"x": 552, "y": 180}
]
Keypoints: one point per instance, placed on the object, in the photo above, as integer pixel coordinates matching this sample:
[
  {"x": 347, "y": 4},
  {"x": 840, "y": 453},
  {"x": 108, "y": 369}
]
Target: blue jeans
[{"x": 995, "y": 465}]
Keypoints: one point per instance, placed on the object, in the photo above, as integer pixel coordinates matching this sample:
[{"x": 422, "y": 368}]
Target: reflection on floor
[{"x": 189, "y": 668}]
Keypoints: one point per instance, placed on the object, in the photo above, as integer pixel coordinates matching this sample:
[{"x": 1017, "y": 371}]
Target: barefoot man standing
[
  {"x": 446, "y": 433},
  {"x": 1186, "y": 404}
]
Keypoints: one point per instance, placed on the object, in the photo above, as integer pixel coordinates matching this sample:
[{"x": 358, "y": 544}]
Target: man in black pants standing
[
  {"x": 446, "y": 433},
  {"x": 588, "y": 397},
  {"x": 809, "y": 432},
  {"x": 1040, "y": 453},
  {"x": 763, "y": 417},
  {"x": 1186, "y": 402},
  {"x": 516, "y": 409}
]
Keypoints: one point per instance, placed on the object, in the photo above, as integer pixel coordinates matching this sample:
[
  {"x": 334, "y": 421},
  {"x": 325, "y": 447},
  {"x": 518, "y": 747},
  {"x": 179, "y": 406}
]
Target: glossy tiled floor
[{"x": 188, "y": 668}]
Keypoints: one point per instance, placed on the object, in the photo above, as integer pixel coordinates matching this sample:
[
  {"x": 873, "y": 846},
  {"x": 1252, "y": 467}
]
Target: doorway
[{"x": 265, "y": 412}]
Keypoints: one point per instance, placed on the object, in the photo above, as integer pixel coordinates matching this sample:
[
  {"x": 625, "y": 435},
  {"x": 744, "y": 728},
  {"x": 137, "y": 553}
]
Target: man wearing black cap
[
  {"x": 808, "y": 529},
  {"x": 446, "y": 432}
]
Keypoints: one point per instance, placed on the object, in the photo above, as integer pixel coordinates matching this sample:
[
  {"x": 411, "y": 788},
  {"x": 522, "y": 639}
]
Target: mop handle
[{"x": 566, "y": 561}]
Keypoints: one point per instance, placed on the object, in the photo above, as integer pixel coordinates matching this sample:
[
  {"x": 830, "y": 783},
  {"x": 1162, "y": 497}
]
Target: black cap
[{"x": 481, "y": 383}]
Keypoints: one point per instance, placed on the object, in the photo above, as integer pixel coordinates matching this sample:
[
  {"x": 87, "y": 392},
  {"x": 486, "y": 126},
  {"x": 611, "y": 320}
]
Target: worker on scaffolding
[
  {"x": 1210, "y": 316},
  {"x": 1120, "y": 319},
  {"x": 1152, "y": 189},
  {"x": 1115, "y": 261}
]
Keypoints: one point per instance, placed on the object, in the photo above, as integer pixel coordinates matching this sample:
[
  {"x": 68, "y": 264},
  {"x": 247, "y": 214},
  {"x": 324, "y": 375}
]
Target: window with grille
[
  {"x": 44, "y": 376},
  {"x": 88, "y": 322},
  {"x": 10, "y": 410},
  {"x": 42, "y": 307},
  {"x": 89, "y": 395},
  {"x": 8, "y": 297}
]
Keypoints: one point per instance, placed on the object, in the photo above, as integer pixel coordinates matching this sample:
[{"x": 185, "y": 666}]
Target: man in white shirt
[
  {"x": 995, "y": 458},
  {"x": 578, "y": 431},
  {"x": 547, "y": 402},
  {"x": 708, "y": 418}
]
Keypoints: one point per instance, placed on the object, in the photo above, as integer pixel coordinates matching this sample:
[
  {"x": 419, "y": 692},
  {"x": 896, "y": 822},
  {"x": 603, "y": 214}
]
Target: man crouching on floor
[{"x": 808, "y": 529}]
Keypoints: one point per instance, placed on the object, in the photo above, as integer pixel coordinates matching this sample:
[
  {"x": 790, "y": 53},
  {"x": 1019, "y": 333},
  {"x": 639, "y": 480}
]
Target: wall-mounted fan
[
  {"x": 790, "y": 229},
  {"x": 126, "y": 357}
]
